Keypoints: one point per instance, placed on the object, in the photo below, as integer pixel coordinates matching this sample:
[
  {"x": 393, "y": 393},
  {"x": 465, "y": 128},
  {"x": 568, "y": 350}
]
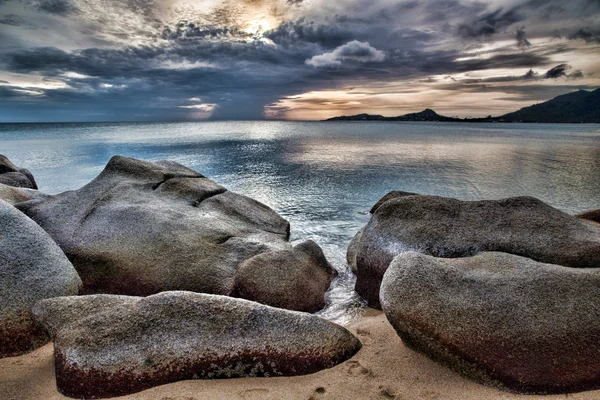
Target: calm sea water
[{"x": 324, "y": 177}]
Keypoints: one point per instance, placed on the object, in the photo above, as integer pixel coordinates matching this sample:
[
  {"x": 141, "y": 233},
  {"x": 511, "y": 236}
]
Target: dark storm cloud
[
  {"x": 586, "y": 34},
  {"x": 59, "y": 7},
  {"x": 328, "y": 35},
  {"x": 558, "y": 72},
  {"x": 490, "y": 23},
  {"x": 522, "y": 41},
  {"x": 185, "y": 30},
  {"x": 12, "y": 19}
]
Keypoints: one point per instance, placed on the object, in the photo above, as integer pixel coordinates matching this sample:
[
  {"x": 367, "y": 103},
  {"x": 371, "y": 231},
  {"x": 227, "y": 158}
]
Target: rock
[
  {"x": 13, "y": 195},
  {"x": 32, "y": 267},
  {"x": 394, "y": 194},
  {"x": 445, "y": 227},
  {"x": 504, "y": 320},
  {"x": 145, "y": 227},
  {"x": 353, "y": 249},
  {"x": 292, "y": 279},
  {"x": 107, "y": 345},
  {"x": 12, "y": 175},
  {"x": 591, "y": 215}
]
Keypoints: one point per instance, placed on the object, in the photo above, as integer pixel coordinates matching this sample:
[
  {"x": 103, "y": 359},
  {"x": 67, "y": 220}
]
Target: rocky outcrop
[
  {"x": 32, "y": 268},
  {"x": 145, "y": 227},
  {"x": 445, "y": 227},
  {"x": 115, "y": 345},
  {"x": 12, "y": 175},
  {"x": 501, "y": 319}
]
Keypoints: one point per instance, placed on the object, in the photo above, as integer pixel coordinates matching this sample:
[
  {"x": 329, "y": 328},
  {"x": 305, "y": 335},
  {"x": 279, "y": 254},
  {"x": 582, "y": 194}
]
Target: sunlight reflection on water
[{"x": 324, "y": 177}]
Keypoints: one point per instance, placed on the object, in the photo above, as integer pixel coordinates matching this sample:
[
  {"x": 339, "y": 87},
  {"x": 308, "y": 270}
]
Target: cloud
[
  {"x": 201, "y": 107},
  {"x": 59, "y": 7},
  {"x": 586, "y": 34},
  {"x": 125, "y": 58},
  {"x": 356, "y": 51},
  {"x": 522, "y": 41},
  {"x": 557, "y": 72},
  {"x": 292, "y": 33},
  {"x": 13, "y": 20},
  {"x": 490, "y": 23}
]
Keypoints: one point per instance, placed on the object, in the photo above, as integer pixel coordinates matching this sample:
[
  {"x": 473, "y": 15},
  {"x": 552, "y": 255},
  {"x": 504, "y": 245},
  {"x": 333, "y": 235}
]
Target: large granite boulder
[
  {"x": 293, "y": 279},
  {"x": 145, "y": 227},
  {"x": 12, "y": 175},
  {"x": 502, "y": 319},
  {"x": 32, "y": 268},
  {"x": 106, "y": 345},
  {"x": 445, "y": 227}
]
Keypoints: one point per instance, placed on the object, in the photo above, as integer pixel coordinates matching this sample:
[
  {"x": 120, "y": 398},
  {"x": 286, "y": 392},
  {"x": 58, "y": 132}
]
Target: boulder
[
  {"x": 293, "y": 279},
  {"x": 12, "y": 175},
  {"x": 445, "y": 227},
  {"x": 504, "y": 320},
  {"x": 145, "y": 227},
  {"x": 32, "y": 268},
  {"x": 106, "y": 345},
  {"x": 591, "y": 215}
]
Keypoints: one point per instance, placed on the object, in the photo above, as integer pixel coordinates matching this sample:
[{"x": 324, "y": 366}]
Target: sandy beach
[{"x": 383, "y": 369}]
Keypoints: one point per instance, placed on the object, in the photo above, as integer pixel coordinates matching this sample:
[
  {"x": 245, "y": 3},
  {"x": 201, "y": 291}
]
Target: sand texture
[{"x": 383, "y": 369}]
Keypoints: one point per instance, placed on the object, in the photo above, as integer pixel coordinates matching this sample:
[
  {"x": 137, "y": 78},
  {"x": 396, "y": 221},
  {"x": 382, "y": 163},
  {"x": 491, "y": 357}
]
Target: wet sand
[{"x": 383, "y": 369}]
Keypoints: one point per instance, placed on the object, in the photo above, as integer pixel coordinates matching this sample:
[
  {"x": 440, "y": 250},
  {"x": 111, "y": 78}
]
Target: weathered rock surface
[
  {"x": 292, "y": 279},
  {"x": 141, "y": 228},
  {"x": 591, "y": 215},
  {"x": 501, "y": 319},
  {"x": 12, "y": 175},
  {"x": 13, "y": 195},
  {"x": 32, "y": 268},
  {"x": 445, "y": 227},
  {"x": 115, "y": 345}
]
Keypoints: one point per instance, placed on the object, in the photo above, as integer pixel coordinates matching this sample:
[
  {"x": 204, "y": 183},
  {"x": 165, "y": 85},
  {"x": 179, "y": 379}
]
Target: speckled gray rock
[
  {"x": 445, "y": 227},
  {"x": 32, "y": 267},
  {"x": 354, "y": 243},
  {"x": 108, "y": 345},
  {"x": 145, "y": 227},
  {"x": 12, "y": 175},
  {"x": 291, "y": 279},
  {"x": 504, "y": 320}
]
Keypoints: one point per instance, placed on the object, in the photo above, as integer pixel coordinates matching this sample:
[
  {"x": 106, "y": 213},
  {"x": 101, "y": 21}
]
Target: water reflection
[{"x": 323, "y": 177}]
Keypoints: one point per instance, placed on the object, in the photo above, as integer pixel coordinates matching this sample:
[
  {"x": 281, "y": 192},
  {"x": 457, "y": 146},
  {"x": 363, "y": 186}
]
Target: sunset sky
[{"x": 125, "y": 60}]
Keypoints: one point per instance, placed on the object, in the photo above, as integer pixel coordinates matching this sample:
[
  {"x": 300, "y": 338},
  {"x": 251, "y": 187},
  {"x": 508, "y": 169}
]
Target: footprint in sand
[
  {"x": 363, "y": 332},
  {"x": 355, "y": 368}
]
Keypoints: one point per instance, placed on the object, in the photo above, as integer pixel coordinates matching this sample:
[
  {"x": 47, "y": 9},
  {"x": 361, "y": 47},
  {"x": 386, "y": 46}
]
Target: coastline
[{"x": 383, "y": 369}]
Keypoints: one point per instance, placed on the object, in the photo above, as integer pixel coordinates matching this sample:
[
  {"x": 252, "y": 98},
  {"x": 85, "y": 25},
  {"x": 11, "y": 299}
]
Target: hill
[
  {"x": 576, "y": 107},
  {"x": 580, "y": 106}
]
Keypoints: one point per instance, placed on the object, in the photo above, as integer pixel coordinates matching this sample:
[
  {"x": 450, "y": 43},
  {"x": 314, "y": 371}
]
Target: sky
[{"x": 138, "y": 60}]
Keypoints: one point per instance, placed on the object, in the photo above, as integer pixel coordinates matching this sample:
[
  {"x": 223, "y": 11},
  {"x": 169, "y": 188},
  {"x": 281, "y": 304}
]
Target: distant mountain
[
  {"x": 425, "y": 115},
  {"x": 360, "y": 117},
  {"x": 580, "y": 106},
  {"x": 576, "y": 107}
]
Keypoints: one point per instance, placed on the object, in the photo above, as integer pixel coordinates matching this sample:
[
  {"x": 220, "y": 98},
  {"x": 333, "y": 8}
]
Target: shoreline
[{"x": 383, "y": 369}]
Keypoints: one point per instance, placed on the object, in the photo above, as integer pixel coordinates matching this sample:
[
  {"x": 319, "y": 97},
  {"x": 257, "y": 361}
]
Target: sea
[{"x": 324, "y": 176}]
